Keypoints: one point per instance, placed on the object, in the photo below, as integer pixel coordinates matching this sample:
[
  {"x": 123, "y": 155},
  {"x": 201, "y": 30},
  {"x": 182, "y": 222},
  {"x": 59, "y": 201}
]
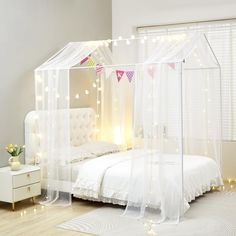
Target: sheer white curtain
[
  {"x": 156, "y": 187},
  {"x": 160, "y": 105},
  {"x": 176, "y": 99},
  {"x": 52, "y": 106}
]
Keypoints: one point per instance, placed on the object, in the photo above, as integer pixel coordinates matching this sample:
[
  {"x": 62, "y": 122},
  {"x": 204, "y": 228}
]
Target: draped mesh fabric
[{"x": 164, "y": 105}]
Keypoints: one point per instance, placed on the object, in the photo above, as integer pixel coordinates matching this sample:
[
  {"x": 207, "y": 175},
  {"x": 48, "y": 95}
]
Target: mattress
[{"x": 107, "y": 178}]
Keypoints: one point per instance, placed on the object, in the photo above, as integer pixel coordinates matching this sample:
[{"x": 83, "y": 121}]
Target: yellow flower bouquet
[{"x": 14, "y": 150}]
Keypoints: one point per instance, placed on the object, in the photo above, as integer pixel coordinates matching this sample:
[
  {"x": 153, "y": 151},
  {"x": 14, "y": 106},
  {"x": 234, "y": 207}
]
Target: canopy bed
[{"x": 142, "y": 131}]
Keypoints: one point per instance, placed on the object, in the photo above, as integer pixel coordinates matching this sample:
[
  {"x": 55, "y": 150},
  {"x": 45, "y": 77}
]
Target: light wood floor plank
[{"x": 33, "y": 220}]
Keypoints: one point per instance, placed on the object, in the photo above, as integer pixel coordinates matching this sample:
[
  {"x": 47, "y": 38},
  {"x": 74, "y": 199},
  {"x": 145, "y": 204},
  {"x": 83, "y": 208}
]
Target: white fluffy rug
[{"x": 213, "y": 214}]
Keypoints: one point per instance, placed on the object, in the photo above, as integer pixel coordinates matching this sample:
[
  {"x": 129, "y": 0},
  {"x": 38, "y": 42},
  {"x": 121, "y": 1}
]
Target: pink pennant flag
[
  {"x": 98, "y": 68},
  {"x": 130, "y": 75},
  {"x": 172, "y": 65},
  {"x": 84, "y": 60},
  {"x": 119, "y": 74},
  {"x": 151, "y": 71}
]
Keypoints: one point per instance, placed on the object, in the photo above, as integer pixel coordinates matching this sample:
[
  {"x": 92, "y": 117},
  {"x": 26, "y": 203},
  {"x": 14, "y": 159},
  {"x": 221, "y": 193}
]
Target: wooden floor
[{"x": 33, "y": 220}]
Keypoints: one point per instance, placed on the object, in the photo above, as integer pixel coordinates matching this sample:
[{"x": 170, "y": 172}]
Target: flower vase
[{"x": 14, "y": 163}]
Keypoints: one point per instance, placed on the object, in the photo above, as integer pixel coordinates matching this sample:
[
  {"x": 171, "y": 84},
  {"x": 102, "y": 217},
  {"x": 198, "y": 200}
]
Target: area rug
[{"x": 213, "y": 214}]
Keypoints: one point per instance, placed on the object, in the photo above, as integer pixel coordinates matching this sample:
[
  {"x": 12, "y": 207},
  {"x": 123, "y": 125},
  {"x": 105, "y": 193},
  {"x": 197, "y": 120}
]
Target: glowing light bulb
[
  {"x": 86, "y": 92},
  {"x": 98, "y": 102},
  {"x": 100, "y": 89},
  {"x": 115, "y": 43},
  {"x": 39, "y": 98},
  {"x": 142, "y": 41},
  {"x": 39, "y": 79},
  {"x": 39, "y": 154},
  {"x": 120, "y": 38},
  {"x": 58, "y": 95},
  {"x": 76, "y": 96},
  {"x": 67, "y": 98},
  {"x": 127, "y": 42},
  {"x": 132, "y": 36},
  {"x": 94, "y": 85}
]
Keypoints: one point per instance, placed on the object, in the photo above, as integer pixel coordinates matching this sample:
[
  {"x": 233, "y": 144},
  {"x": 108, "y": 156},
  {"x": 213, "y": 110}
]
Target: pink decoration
[
  {"x": 151, "y": 71},
  {"x": 98, "y": 68},
  {"x": 119, "y": 74},
  {"x": 130, "y": 75},
  {"x": 172, "y": 65},
  {"x": 84, "y": 60}
]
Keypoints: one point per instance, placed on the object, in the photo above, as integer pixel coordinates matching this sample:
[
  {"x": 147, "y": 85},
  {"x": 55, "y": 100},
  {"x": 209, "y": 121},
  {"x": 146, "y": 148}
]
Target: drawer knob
[
  {"x": 28, "y": 189},
  {"x": 28, "y": 175}
]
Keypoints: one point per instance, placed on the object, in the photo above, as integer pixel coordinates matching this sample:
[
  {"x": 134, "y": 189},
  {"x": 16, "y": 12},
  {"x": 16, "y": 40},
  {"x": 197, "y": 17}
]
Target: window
[{"x": 222, "y": 38}]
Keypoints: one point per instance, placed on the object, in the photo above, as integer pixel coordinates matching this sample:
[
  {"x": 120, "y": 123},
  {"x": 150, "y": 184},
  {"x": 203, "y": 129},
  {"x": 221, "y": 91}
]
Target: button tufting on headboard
[{"x": 82, "y": 130}]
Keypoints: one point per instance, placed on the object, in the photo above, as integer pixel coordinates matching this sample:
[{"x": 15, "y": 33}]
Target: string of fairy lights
[{"x": 96, "y": 84}]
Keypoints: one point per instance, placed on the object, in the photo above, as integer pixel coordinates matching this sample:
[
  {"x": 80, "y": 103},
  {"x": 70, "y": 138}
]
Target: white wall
[
  {"x": 127, "y": 15},
  {"x": 31, "y": 31}
]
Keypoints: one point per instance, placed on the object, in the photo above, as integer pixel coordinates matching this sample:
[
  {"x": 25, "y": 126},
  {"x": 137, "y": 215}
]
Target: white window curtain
[{"x": 222, "y": 38}]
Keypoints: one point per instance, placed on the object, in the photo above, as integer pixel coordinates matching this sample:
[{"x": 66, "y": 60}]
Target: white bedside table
[{"x": 19, "y": 185}]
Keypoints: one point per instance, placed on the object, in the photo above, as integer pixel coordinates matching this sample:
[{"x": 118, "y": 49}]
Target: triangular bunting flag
[
  {"x": 172, "y": 65},
  {"x": 108, "y": 72},
  {"x": 151, "y": 71},
  {"x": 119, "y": 74},
  {"x": 130, "y": 75},
  {"x": 99, "y": 68},
  {"x": 84, "y": 60},
  {"x": 91, "y": 62}
]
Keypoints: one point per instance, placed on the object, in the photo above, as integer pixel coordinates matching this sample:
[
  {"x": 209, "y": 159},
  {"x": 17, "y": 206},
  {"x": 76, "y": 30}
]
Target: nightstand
[{"x": 19, "y": 185}]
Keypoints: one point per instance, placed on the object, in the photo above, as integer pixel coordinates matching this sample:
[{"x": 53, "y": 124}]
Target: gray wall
[
  {"x": 30, "y": 32},
  {"x": 127, "y": 15}
]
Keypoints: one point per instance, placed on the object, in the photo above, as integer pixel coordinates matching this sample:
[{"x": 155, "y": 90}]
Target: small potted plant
[{"x": 14, "y": 151}]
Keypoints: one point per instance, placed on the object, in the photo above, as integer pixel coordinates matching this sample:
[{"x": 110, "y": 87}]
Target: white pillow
[
  {"x": 100, "y": 148},
  {"x": 80, "y": 154}
]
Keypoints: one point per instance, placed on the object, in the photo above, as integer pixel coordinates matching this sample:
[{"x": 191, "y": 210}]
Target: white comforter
[{"x": 107, "y": 178}]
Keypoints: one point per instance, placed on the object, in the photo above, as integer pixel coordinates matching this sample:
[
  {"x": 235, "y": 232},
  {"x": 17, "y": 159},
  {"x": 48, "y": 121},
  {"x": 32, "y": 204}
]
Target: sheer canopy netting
[{"x": 161, "y": 98}]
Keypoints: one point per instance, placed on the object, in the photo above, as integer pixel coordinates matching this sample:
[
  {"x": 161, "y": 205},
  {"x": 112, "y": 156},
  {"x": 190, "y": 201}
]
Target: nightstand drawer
[
  {"x": 26, "y": 179},
  {"x": 26, "y": 192}
]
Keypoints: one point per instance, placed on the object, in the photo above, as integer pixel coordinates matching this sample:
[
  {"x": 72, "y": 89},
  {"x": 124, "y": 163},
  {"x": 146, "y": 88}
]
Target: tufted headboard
[{"x": 82, "y": 130}]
